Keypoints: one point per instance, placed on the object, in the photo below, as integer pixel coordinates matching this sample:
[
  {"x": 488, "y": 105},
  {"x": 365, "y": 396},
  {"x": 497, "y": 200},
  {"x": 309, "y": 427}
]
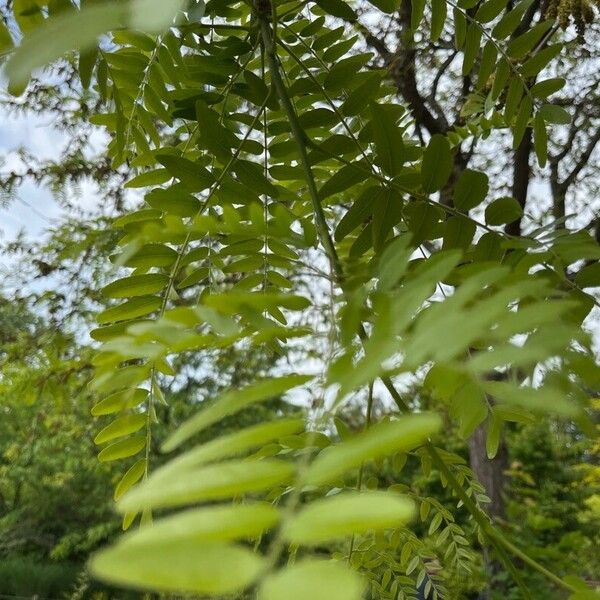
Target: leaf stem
[
  {"x": 300, "y": 137},
  {"x": 361, "y": 470}
]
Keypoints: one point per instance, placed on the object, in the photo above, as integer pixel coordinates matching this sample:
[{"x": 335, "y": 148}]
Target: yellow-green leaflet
[
  {"x": 123, "y": 448},
  {"x": 226, "y": 522},
  {"x": 111, "y": 381},
  {"x": 178, "y": 566},
  {"x": 313, "y": 580},
  {"x": 119, "y": 401},
  {"x": 346, "y": 514},
  {"x": 131, "y": 309},
  {"x": 120, "y": 427},
  {"x": 135, "y": 285},
  {"x": 382, "y": 439},
  {"x": 221, "y": 480},
  {"x": 131, "y": 477}
]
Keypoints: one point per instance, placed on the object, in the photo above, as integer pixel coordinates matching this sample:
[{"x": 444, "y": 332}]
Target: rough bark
[{"x": 490, "y": 473}]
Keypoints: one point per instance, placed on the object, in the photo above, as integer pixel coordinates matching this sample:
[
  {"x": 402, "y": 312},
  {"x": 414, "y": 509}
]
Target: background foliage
[{"x": 323, "y": 210}]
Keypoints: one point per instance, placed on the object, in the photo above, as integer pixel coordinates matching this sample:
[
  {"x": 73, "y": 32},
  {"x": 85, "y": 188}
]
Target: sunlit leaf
[
  {"x": 178, "y": 566},
  {"x": 318, "y": 580},
  {"x": 213, "y": 482},
  {"x": 382, "y": 439},
  {"x": 347, "y": 514}
]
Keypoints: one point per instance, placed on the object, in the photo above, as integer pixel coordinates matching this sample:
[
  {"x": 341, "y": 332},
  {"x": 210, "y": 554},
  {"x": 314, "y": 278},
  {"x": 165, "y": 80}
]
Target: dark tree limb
[{"x": 521, "y": 177}]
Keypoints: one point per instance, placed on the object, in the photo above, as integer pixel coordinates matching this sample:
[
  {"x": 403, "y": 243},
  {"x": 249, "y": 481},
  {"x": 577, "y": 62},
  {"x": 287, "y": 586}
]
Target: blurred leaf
[
  {"x": 318, "y": 580},
  {"x": 347, "y": 514},
  {"x": 178, "y": 566},
  {"x": 382, "y": 439}
]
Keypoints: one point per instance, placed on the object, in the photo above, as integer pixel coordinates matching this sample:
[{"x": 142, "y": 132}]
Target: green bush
[{"x": 24, "y": 577}]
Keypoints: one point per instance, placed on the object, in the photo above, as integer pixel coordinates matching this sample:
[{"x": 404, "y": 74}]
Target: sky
[{"x": 35, "y": 208}]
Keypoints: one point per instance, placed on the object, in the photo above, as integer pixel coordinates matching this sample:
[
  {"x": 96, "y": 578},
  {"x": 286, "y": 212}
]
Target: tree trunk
[{"x": 490, "y": 473}]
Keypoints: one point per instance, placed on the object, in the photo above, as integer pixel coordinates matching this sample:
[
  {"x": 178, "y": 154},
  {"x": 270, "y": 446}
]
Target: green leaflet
[
  {"x": 416, "y": 15},
  {"x": 521, "y": 45},
  {"x": 489, "y": 10},
  {"x": 438, "y": 18},
  {"x": 543, "y": 89},
  {"x": 251, "y": 175},
  {"x": 470, "y": 190},
  {"x": 360, "y": 96},
  {"x": 513, "y": 98},
  {"x": 123, "y": 449},
  {"x": 469, "y": 408},
  {"x": 437, "y": 164},
  {"x": 460, "y": 28},
  {"x": 539, "y": 60},
  {"x": 488, "y": 65},
  {"x": 423, "y": 219},
  {"x": 542, "y": 399},
  {"x": 111, "y": 380},
  {"x": 589, "y": 276},
  {"x": 135, "y": 285},
  {"x": 6, "y": 41},
  {"x": 522, "y": 121},
  {"x": 393, "y": 262},
  {"x": 86, "y": 64},
  {"x": 194, "y": 277},
  {"x": 175, "y": 201},
  {"x": 510, "y": 21},
  {"x": 119, "y": 401},
  {"x": 347, "y": 514},
  {"x": 388, "y": 140},
  {"x": 145, "y": 214},
  {"x": 230, "y": 403},
  {"x": 343, "y": 71},
  {"x": 135, "y": 38},
  {"x": 382, "y": 439},
  {"x": 178, "y": 566},
  {"x": 154, "y": 177},
  {"x": 472, "y": 46},
  {"x": 337, "y": 8},
  {"x": 121, "y": 427},
  {"x": 554, "y": 114},
  {"x": 214, "y": 137},
  {"x": 218, "y": 523},
  {"x": 357, "y": 214},
  {"x": 540, "y": 139},
  {"x": 458, "y": 233},
  {"x": 387, "y": 212},
  {"x": 131, "y": 477},
  {"x": 503, "y": 210},
  {"x": 386, "y": 6},
  {"x": 132, "y": 309},
  {"x": 318, "y": 580},
  {"x": 213, "y": 482},
  {"x": 193, "y": 176},
  {"x": 343, "y": 179}
]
